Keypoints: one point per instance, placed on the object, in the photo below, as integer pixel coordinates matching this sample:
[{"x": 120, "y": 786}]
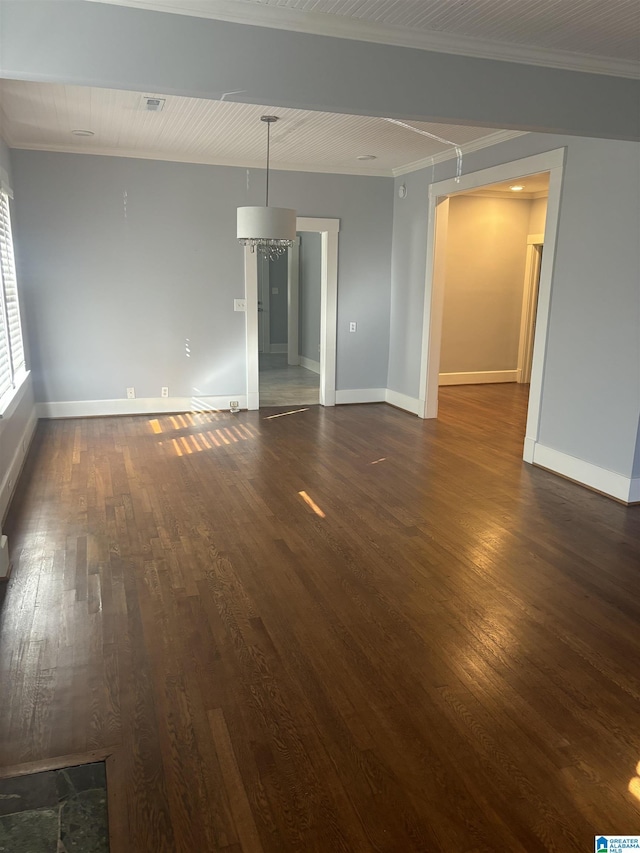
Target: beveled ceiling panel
[
  {"x": 43, "y": 116},
  {"x": 610, "y": 28},
  {"x": 601, "y": 36}
]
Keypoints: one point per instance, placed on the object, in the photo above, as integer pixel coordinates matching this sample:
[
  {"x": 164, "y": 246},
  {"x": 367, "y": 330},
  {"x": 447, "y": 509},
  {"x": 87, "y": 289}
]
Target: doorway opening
[
  {"x": 289, "y": 299},
  {"x": 328, "y": 230},
  {"x": 520, "y": 357},
  {"x": 492, "y": 264}
]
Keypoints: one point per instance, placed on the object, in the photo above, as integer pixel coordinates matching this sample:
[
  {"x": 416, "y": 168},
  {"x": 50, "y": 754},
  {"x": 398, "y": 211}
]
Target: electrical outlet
[
  {"x": 353, "y": 326},
  {"x": 131, "y": 393},
  {"x": 164, "y": 391}
]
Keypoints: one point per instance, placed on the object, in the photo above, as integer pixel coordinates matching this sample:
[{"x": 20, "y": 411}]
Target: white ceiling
[
  {"x": 43, "y": 115},
  {"x": 533, "y": 186},
  {"x": 591, "y": 35}
]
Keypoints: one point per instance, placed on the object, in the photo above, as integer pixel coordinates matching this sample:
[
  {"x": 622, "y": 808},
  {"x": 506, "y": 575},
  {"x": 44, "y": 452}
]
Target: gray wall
[
  {"x": 278, "y": 302},
  {"x": 484, "y": 281},
  {"x": 309, "y": 294},
  {"x": 125, "y": 261},
  {"x": 116, "y": 47},
  {"x": 591, "y": 392}
]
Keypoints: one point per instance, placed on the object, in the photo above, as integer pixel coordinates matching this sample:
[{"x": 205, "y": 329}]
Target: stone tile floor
[
  {"x": 283, "y": 384},
  {"x": 57, "y": 811}
]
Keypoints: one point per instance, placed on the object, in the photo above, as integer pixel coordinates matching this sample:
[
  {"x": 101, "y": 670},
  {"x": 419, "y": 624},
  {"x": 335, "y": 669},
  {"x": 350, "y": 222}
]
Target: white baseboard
[
  {"x": 8, "y": 485},
  {"x": 361, "y": 395},
  {"x": 602, "y": 480},
  {"x": 310, "y": 364},
  {"x": 403, "y": 401},
  {"x": 528, "y": 450},
  {"x": 279, "y": 348},
  {"x": 478, "y": 377},
  {"x": 139, "y": 406}
]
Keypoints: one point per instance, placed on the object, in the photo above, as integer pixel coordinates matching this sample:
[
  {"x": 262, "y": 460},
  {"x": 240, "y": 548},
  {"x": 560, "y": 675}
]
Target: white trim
[
  {"x": 545, "y": 282},
  {"x": 341, "y": 26},
  {"x": 309, "y": 364},
  {"x": 608, "y": 482},
  {"x": 264, "y": 295},
  {"x": 10, "y": 479},
  {"x": 293, "y": 302},
  {"x": 478, "y": 377},
  {"x": 502, "y": 172},
  {"x": 312, "y": 223},
  {"x": 403, "y": 401},
  {"x": 5, "y": 185},
  {"x": 361, "y": 395},
  {"x": 328, "y": 230},
  {"x": 278, "y": 348},
  {"x": 320, "y": 168},
  {"x": 523, "y": 196},
  {"x": 529, "y": 300},
  {"x": 450, "y": 153},
  {"x": 528, "y": 450},
  {"x": 550, "y": 161},
  {"x": 136, "y": 154},
  {"x": 11, "y": 400},
  {"x": 328, "y": 315},
  {"x": 433, "y": 305},
  {"x": 5, "y": 562},
  {"x": 251, "y": 328},
  {"x": 138, "y": 406}
]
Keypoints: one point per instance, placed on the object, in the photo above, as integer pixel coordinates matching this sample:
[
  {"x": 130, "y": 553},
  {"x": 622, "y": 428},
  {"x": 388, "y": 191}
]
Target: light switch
[{"x": 239, "y": 304}]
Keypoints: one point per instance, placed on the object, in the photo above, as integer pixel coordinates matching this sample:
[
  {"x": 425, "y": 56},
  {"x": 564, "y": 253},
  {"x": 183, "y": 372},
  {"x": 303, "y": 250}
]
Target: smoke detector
[{"x": 154, "y": 105}]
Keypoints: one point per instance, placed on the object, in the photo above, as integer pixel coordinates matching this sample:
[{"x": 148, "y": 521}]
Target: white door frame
[
  {"x": 293, "y": 289},
  {"x": 328, "y": 230},
  {"x": 264, "y": 295},
  {"x": 550, "y": 161},
  {"x": 529, "y": 298}
]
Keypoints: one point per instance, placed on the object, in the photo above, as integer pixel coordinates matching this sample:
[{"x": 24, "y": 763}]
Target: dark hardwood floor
[{"x": 336, "y": 630}]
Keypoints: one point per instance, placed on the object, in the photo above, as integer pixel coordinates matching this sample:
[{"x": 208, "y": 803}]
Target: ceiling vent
[{"x": 154, "y": 105}]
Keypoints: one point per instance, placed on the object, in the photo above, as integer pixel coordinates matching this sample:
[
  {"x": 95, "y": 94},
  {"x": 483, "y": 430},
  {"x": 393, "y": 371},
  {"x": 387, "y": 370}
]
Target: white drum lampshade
[{"x": 257, "y": 224}]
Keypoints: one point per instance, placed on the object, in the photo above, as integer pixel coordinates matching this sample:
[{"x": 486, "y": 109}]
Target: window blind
[
  {"x": 6, "y": 376},
  {"x": 11, "y": 345}
]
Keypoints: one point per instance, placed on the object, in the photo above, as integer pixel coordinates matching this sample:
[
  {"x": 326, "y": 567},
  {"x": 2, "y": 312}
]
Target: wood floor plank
[{"x": 335, "y": 630}]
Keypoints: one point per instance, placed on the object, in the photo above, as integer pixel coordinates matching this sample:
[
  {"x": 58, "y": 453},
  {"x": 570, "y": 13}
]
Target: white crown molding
[
  {"x": 366, "y": 171},
  {"x": 137, "y": 154},
  {"x": 339, "y": 26},
  {"x": 488, "y": 193},
  {"x": 450, "y": 154}
]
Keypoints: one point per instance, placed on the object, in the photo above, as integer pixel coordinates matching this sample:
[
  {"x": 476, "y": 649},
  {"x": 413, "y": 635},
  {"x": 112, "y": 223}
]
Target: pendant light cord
[{"x": 266, "y": 203}]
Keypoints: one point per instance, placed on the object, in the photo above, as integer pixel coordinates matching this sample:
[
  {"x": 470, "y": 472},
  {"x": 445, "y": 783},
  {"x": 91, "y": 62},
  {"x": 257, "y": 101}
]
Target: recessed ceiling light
[
  {"x": 366, "y": 157},
  {"x": 516, "y": 188},
  {"x": 83, "y": 133}
]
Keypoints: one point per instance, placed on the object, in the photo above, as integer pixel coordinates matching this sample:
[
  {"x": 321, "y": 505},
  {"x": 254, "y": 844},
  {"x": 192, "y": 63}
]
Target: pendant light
[{"x": 271, "y": 229}]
